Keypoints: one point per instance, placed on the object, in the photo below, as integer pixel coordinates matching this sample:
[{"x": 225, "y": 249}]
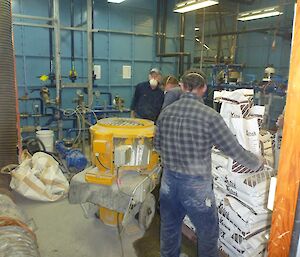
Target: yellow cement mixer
[
  {"x": 121, "y": 143},
  {"x": 124, "y": 172}
]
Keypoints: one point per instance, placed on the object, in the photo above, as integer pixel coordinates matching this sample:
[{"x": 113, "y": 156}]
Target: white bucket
[{"x": 47, "y": 137}]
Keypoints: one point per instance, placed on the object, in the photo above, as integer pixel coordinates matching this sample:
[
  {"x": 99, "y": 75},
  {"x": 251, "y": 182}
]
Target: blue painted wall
[
  {"x": 253, "y": 49},
  {"x": 257, "y": 50},
  {"x": 112, "y": 50}
]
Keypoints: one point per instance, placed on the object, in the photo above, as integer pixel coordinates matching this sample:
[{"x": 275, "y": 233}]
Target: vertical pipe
[
  {"x": 181, "y": 43},
  {"x": 50, "y": 11},
  {"x": 219, "y": 28},
  {"x": 109, "y": 48},
  {"x": 93, "y": 36},
  {"x": 56, "y": 20},
  {"x": 235, "y": 37},
  {"x": 286, "y": 197},
  {"x": 18, "y": 120},
  {"x": 202, "y": 40},
  {"x": 158, "y": 26},
  {"x": 89, "y": 10},
  {"x": 72, "y": 36},
  {"x": 164, "y": 26},
  {"x": 89, "y": 53}
]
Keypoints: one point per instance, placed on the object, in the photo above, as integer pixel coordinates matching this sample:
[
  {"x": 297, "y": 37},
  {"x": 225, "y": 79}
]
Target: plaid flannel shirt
[{"x": 185, "y": 133}]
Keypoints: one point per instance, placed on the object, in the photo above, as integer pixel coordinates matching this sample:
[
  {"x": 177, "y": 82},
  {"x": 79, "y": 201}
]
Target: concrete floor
[{"x": 63, "y": 231}]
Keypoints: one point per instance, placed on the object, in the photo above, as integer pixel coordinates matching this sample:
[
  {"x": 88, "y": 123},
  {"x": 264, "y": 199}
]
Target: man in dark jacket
[{"x": 148, "y": 97}]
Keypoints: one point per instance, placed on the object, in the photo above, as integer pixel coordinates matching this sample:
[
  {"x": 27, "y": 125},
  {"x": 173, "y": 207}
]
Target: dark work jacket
[
  {"x": 147, "y": 102},
  {"x": 172, "y": 96}
]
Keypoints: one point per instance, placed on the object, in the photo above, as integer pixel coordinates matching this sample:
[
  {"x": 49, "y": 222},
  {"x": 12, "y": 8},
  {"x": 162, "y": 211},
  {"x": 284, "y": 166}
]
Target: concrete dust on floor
[{"x": 63, "y": 231}]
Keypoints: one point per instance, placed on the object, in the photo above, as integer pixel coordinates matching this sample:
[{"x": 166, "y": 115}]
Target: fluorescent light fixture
[
  {"x": 193, "y": 5},
  {"x": 206, "y": 46},
  {"x": 115, "y": 1},
  {"x": 259, "y": 14}
]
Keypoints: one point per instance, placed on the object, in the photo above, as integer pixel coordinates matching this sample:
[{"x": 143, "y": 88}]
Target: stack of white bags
[{"x": 241, "y": 194}]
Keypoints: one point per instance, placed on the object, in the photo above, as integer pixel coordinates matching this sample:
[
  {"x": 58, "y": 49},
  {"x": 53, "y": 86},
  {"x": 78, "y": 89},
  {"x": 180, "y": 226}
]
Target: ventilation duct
[{"x": 8, "y": 114}]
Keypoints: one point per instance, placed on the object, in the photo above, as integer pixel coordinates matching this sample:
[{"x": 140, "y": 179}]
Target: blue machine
[
  {"x": 271, "y": 93},
  {"x": 75, "y": 159},
  {"x": 226, "y": 70}
]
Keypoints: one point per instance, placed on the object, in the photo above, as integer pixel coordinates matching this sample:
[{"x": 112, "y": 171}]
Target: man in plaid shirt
[{"x": 186, "y": 131}]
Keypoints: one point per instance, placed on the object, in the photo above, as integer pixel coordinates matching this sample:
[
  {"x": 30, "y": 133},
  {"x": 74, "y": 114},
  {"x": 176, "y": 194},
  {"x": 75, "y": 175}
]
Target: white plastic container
[{"x": 47, "y": 137}]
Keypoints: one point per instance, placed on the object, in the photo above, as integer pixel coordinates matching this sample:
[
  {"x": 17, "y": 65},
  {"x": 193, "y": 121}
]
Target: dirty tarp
[{"x": 115, "y": 197}]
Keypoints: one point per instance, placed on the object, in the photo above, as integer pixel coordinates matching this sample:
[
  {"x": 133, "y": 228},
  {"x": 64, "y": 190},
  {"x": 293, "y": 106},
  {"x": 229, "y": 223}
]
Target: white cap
[{"x": 270, "y": 70}]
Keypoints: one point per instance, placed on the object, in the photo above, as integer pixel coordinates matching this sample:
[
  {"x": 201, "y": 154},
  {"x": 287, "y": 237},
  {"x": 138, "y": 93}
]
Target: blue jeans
[{"x": 182, "y": 195}]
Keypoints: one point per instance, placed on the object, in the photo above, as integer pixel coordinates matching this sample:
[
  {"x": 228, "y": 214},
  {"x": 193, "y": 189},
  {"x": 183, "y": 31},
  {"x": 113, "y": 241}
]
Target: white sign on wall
[
  {"x": 126, "y": 72},
  {"x": 97, "y": 71}
]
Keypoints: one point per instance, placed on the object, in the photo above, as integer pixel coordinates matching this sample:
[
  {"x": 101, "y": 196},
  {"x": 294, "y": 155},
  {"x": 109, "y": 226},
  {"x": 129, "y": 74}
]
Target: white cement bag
[
  {"x": 231, "y": 110},
  {"x": 247, "y": 133},
  {"x": 255, "y": 184},
  {"x": 253, "y": 201},
  {"x": 257, "y": 202},
  {"x": 219, "y": 160},
  {"x": 231, "y": 251},
  {"x": 257, "y": 111},
  {"x": 219, "y": 194},
  {"x": 251, "y": 246},
  {"x": 219, "y": 175},
  {"x": 244, "y": 218},
  {"x": 235, "y": 104},
  {"x": 239, "y": 95},
  {"x": 251, "y": 188},
  {"x": 40, "y": 178}
]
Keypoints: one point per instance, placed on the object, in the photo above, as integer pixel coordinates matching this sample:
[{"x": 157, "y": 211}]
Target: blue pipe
[
  {"x": 105, "y": 93},
  {"x": 35, "y": 99}
]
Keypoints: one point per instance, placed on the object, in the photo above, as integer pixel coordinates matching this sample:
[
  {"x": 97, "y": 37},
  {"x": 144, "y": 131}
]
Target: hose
[{"x": 8, "y": 99}]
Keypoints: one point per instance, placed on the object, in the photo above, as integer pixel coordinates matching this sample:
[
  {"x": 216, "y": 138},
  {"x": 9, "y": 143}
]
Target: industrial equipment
[
  {"x": 16, "y": 229},
  {"x": 33, "y": 145},
  {"x": 270, "y": 92},
  {"x": 121, "y": 143},
  {"x": 72, "y": 73},
  {"x": 74, "y": 158},
  {"x": 45, "y": 94},
  {"x": 227, "y": 74},
  {"x": 124, "y": 172},
  {"x": 79, "y": 100},
  {"x": 119, "y": 103}
]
